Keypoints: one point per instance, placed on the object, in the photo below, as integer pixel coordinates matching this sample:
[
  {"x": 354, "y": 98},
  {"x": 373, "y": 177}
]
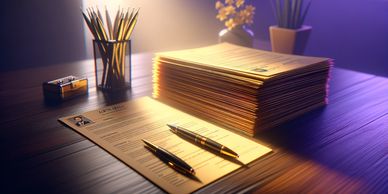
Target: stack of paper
[{"x": 241, "y": 88}]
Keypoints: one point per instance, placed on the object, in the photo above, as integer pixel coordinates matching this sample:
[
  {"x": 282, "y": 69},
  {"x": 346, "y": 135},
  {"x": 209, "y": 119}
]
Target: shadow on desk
[
  {"x": 339, "y": 148},
  {"x": 342, "y": 140}
]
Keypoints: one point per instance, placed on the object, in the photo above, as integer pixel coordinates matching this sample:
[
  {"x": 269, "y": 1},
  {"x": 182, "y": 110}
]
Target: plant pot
[
  {"x": 289, "y": 41},
  {"x": 240, "y": 35}
]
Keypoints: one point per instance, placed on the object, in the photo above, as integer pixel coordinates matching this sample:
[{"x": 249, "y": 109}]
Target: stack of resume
[{"x": 240, "y": 88}]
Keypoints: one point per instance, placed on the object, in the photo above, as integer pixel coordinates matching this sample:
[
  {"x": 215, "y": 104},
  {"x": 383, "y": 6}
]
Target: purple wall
[
  {"x": 353, "y": 32},
  {"x": 41, "y": 32}
]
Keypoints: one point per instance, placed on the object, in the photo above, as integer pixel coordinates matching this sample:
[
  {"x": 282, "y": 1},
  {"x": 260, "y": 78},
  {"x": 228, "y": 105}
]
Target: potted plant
[
  {"x": 236, "y": 15},
  {"x": 290, "y": 36}
]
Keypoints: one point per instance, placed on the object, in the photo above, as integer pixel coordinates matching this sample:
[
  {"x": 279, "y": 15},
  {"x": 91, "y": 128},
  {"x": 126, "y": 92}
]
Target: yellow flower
[
  {"x": 250, "y": 8},
  {"x": 247, "y": 14},
  {"x": 229, "y": 2},
  {"x": 222, "y": 14},
  {"x": 230, "y": 10},
  {"x": 239, "y": 3},
  {"x": 219, "y": 5},
  {"x": 230, "y": 24},
  {"x": 234, "y": 12}
]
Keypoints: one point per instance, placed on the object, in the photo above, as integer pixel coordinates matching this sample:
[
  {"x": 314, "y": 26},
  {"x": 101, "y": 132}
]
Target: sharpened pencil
[{"x": 110, "y": 39}]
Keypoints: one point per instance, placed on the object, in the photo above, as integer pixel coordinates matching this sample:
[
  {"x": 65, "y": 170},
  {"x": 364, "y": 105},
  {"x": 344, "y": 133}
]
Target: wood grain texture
[{"x": 342, "y": 147}]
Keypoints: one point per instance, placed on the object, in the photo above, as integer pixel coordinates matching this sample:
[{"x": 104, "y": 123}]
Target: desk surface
[{"x": 340, "y": 148}]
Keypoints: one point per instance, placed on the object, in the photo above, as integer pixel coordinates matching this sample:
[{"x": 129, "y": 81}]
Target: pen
[
  {"x": 172, "y": 160},
  {"x": 204, "y": 141}
]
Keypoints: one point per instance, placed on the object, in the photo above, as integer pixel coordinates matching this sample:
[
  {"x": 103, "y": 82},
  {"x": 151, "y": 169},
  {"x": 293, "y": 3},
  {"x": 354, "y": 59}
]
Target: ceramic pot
[
  {"x": 289, "y": 41},
  {"x": 240, "y": 35}
]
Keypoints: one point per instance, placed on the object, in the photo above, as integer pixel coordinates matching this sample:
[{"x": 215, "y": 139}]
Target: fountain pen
[
  {"x": 170, "y": 159},
  {"x": 204, "y": 141}
]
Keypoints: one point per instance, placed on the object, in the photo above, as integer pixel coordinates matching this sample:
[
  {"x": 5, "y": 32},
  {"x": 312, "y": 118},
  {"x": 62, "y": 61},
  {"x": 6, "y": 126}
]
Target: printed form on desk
[{"x": 119, "y": 129}]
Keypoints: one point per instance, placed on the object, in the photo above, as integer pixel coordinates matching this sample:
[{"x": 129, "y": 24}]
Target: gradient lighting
[{"x": 165, "y": 25}]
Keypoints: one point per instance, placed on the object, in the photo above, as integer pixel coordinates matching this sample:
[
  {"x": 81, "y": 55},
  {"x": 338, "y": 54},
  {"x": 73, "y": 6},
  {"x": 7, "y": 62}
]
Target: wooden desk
[{"x": 340, "y": 148}]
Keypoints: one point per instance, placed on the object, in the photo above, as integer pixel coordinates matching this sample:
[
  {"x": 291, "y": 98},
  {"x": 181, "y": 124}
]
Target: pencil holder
[{"x": 112, "y": 61}]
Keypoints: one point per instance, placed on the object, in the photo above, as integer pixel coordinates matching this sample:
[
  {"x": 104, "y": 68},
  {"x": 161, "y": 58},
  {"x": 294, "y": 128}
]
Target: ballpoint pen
[
  {"x": 204, "y": 141},
  {"x": 170, "y": 159}
]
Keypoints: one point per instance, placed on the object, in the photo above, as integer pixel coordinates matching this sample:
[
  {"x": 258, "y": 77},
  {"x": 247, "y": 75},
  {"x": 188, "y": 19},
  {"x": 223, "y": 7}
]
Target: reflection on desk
[{"x": 339, "y": 148}]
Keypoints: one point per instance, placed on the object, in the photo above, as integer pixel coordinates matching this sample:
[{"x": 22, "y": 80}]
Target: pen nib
[
  {"x": 150, "y": 145},
  {"x": 172, "y": 126}
]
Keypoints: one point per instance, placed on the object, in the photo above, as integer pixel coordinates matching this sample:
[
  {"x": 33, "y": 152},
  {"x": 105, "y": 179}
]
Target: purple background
[
  {"x": 42, "y": 32},
  {"x": 353, "y": 32}
]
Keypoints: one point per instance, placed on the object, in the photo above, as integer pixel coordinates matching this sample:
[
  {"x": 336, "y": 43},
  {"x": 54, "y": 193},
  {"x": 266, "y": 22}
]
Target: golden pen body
[{"x": 203, "y": 141}]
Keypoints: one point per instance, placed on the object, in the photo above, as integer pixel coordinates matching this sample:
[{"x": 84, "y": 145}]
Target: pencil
[{"x": 110, "y": 39}]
